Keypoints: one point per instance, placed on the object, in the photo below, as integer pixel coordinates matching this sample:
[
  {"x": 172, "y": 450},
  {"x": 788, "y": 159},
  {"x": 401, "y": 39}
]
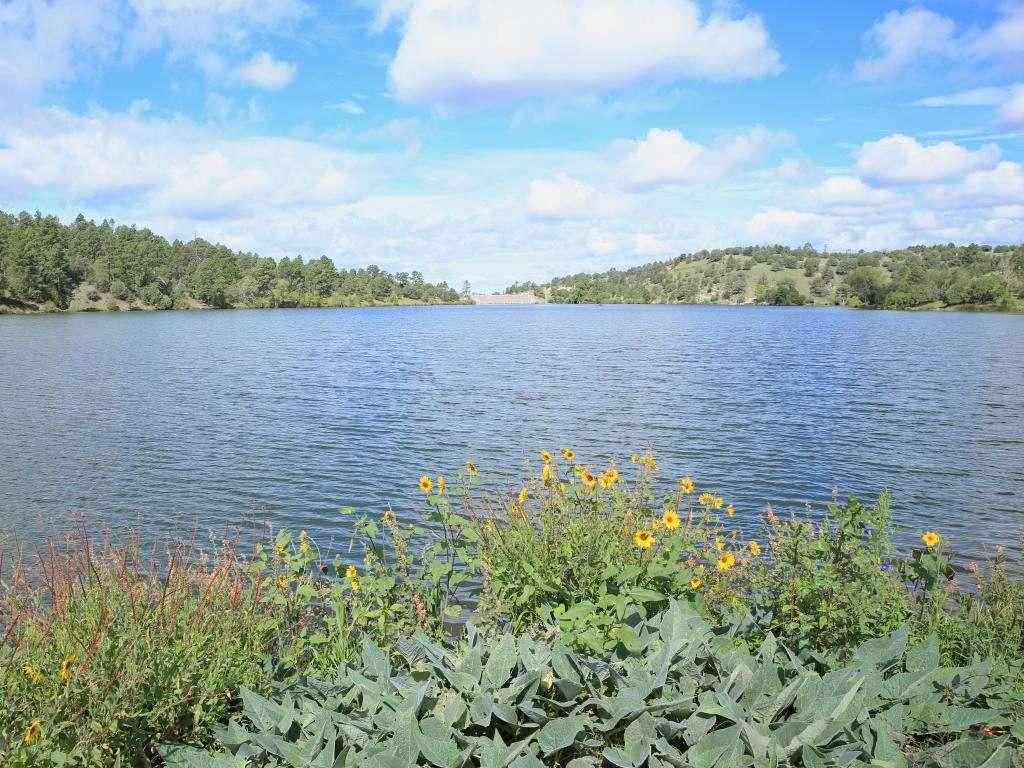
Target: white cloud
[
  {"x": 50, "y": 43},
  {"x": 667, "y": 157},
  {"x": 264, "y": 71},
  {"x": 567, "y": 198},
  {"x": 478, "y": 52},
  {"x": 850, "y": 193},
  {"x": 347, "y": 106},
  {"x": 904, "y": 39},
  {"x": 900, "y": 159},
  {"x": 1012, "y": 111},
  {"x": 990, "y": 96},
  {"x": 1001, "y": 186},
  {"x": 168, "y": 166}
]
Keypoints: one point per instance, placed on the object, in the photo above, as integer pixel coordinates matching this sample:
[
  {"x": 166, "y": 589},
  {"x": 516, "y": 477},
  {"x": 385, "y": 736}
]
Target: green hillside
[{"x": 932, "y": 277}]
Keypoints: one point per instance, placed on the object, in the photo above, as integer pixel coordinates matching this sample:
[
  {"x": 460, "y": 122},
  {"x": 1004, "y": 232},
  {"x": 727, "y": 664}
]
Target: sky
[{"x": 496, "y": 141}]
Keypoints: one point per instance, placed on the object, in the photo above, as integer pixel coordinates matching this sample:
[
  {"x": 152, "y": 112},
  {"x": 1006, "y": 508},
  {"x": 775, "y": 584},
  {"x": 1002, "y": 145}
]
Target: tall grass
[{"x": 108, "y": 646}]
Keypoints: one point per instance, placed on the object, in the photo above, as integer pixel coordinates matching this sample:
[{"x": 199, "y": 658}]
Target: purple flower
[
  {"x": 885, "y": 567},
  {"x": 869, "y": 530}
]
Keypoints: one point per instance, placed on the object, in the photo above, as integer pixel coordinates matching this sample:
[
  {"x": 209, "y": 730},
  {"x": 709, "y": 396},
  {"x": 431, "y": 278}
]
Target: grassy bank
[{"x": 593, "y": 615}]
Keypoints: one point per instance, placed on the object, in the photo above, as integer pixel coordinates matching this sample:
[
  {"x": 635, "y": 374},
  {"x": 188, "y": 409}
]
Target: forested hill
[
  {"x": 84, "y": 265},
  {"x": 917, "y": 277}
]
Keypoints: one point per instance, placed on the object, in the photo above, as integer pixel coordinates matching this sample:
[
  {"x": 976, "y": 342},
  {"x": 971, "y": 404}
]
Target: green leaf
[{"x": 560, "y": 733}]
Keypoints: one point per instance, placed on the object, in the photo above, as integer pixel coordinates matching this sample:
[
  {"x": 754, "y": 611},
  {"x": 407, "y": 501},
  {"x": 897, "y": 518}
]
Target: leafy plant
[{"x": 689, "y": 695}]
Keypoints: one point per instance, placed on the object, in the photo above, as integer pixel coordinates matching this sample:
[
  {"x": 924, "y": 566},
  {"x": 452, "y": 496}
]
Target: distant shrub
[
  {"x": 119, "y": 290},
  {"x": 93, "y": 295},
  {"x": 112, "y": 305}
]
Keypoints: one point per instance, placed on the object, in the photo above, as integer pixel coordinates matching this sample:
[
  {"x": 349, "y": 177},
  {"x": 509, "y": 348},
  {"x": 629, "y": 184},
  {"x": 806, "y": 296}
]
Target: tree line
[
  {"x": 918, "y": 276},
  {"x": 44, "y": 263}
]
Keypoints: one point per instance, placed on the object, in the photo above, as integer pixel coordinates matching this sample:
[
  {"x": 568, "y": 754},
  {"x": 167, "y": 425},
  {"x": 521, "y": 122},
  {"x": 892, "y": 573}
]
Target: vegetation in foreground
[
  {"x": 88, "y": 267},
  {"x": 925, "y": 277},
  {"x": 591, "y": 616}
]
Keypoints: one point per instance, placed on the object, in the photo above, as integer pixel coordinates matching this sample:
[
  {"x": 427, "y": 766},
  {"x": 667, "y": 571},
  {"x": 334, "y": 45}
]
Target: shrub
[
  {"x": 111, "y": 647},
  {"x": 119, "y": 290},
  {"x": 112, "y": 305},
  {"x": 687, "y": 695},
  {"x": 93, "y": 295}
]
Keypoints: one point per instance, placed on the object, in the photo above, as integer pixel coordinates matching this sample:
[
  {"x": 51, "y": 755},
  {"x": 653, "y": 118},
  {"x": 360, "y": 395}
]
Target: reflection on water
[{"x": 300, "y": 412}]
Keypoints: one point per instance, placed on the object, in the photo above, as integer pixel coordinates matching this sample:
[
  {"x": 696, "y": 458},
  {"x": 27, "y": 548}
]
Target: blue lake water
[{"x": 204, "y": 416}]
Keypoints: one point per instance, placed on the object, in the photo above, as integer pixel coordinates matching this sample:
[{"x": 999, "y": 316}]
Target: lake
[{"x": 204, "y": 416}]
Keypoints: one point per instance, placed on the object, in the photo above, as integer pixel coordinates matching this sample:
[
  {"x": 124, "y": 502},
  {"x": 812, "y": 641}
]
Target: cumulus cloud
[
  {"x": 850, "y": 193},
  {"x": 171, "y": 166},
  {"x": 49, "y": 43},
  {"x": 667, "y": 157},
  {"x": 1000, "y": 186},
  {"x": 264, "y": 71},
  {"x": 904, "y": 39},
  {"x": 456, "y": 53},
  {"x": 567, "y": 198},
  {"x": 900, "y": 159}
]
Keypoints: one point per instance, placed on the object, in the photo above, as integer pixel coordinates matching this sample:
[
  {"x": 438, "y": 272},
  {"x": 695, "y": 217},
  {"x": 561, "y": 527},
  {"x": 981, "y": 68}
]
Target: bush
[
  {"x": 112, "y": 305},
  {"x": 110, "y": 647},
  {"x": 120, "y": 291},
  {"x": 93, "y": 295}
]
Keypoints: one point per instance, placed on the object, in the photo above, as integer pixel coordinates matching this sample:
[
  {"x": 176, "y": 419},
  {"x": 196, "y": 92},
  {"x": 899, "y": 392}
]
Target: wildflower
[
  {"x": 561, "y": 487},
  {"x": 471, "y": 467},
  {"x": 350, "y": 572},
  {"x": 729, "y": 510},
  {"x": 885, "y": 567},
  {"x": 440, "y": 484},
  {"x": 65, "y": 668},
  {"x": 988, "y": 731},
  {"x": 426, "y": 484},
  {"x": 719, "y": 543},
  {"x": 634, "y": 458},
  {"x": 588, "y": 479},
  {"x": 718, "y": 502},
  {"x": 670, "y": 519},
  {"x": 490, "y": 526},
  {"x": 613, "y": 474},
  {"x": 568, "y": 454},
  {"x": 705, "y": 498},
  {"x": 686, "y": 485},
  {"x": 643, "y": 539},
  {"x": 282, "y": 582},
  {"x": 304, "y": 548},
  {"x": 545, "y": 475},
  {"x": 648, "y": 459},
  {"x": 355, "y": 585},
  {"x": 726, "y": 561},
  {"x": 604, "y": 481},
  {"x": 302, "y": 535},
  {"x": 545, "y": 456},
  {"x": 522, "y": 495},
  {"x": 579, "y": 469},
  {"x": 35, "y": 674},
  {"x": 280, "y": 549},
  {"x": 33, "y": 732},
  {"x": 655, "y": 525},
  {"x": 869, "y": 530},
  {"x": 695, "y": 582},
  {"x": 755, "y": 548},
  {"x": 930, "y": 538}
]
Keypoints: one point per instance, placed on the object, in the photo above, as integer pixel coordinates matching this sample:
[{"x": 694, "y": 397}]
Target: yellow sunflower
[
  {"x": 545, "y": 474},
  {"x": 355, "y": 585},
  {"x": 755, "y": 548},
  {"x": 613, "y": 474},
  {"x": 930, "y": 538},
  {"x": 282, "y": 582},
  {"x": 545, "y": 456},
  {"x": 686, "y": 486},
  {"x": 604, "y": 480},
  {"x": 729, "y": 510},
  {"x": 588, "y": 479},
  {"x": 670, "y": 519},
  {"x": 568, "y": 454},
  {"x": 440, "y": 484},
  {"x": 351, "y": 572},
  {"x": 65, "y": 668},
  {"x": 643, "y": 539},
  {"x": 718, "y": 502},
  {"x": 426, "y": 484},
  {"x": 522, "y": 495},
  {"x": 33, "y": 732},
  {"x": 471, "y": 467},
  {"x": 726, "y": 561},
  {"x": 655, "y": 525},
  {"x": 706, "y": 498},
  {"x": 634, "y": 458},
  {"x": 695, "y": 582}
]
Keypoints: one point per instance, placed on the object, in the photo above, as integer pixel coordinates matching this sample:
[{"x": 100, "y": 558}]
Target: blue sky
[{"x": 496, "y": 141}]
